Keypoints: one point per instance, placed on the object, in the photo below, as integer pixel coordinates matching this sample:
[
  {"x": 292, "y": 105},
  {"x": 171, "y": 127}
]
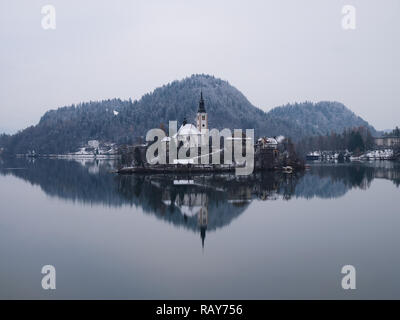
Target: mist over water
[{"x": 265, "y": 236}]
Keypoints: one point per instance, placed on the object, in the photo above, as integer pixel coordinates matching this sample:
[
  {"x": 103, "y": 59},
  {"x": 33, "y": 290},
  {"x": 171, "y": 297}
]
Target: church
[{"x": 189, "y": 135}]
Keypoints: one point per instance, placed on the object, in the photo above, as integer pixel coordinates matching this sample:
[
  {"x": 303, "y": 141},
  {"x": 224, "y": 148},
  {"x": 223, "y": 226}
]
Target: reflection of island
[
  {"x": 201, "y": 203},
  {"x": 198, "y": 203},
  {"x": 333, "y": 181}
]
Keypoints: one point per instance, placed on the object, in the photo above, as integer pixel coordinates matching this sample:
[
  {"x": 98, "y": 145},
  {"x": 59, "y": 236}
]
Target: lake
[{"x": 265, "y": 236}]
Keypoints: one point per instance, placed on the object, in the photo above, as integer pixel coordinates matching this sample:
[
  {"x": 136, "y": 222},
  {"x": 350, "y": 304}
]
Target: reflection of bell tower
[
  {"x": 202, "y": 118},
  {"x": 203, "y": 218}
]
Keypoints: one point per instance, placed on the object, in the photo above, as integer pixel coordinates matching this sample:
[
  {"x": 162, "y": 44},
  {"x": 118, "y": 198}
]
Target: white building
[
  {"x": 93, "y": 144},
  {"x": 189, "y": 135},
  {"x": 387, "y": 141}
]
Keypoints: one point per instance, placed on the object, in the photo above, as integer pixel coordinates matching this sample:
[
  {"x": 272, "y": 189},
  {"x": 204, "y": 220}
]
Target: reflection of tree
[
  {"x": 327, "y": 181},
  {"x": 330, "y": 181},
  {"x": 67, "y": 179}
]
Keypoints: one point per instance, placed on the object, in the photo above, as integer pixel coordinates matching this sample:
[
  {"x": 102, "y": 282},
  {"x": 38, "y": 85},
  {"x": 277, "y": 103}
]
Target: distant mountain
[{"x": 65, "y": 129}]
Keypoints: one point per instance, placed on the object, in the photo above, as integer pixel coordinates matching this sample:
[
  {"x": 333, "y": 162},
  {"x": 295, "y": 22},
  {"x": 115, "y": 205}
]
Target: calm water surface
[{"x": 266, "y": 236}]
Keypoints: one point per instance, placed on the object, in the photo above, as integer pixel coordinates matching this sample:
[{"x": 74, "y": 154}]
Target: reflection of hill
[
  {"x": 332, "y": 181},
  {"x": 323, "y": 187},
  {"x": 196, "y": 202},
  {"x": 83, "y": 181}
]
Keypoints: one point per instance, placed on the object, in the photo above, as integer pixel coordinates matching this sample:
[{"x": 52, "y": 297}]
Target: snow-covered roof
[
  {"x": 238, "y": 138},
  {"x": 166, "y": 139},
  {"x": 183, "y": 161},
  {"x": 188, "y": 129},
  {"x": 271, "y": 141},
  {"x": 183, "y": 182}
]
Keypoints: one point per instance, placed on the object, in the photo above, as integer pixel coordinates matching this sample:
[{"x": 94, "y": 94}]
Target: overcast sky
[{"x": 275, "y": 52}]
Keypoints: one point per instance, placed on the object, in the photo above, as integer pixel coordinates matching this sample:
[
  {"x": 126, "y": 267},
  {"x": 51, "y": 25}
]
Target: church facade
[
  {"x": 191, "y": 136},
  {"x": 202, "y": 117}
]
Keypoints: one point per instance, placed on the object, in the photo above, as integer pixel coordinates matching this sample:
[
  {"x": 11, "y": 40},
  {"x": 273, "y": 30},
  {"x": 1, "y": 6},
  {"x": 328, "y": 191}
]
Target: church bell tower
[{"x": 202, "y": 118}]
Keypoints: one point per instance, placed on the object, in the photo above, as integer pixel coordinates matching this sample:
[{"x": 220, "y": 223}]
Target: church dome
[{"x": 188, "y": 129}]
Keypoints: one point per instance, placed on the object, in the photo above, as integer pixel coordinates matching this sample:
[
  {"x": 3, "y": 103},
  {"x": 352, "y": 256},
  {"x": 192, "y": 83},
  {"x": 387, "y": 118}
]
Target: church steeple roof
[
  {"x": 202, "y": 109},
  {"x": 203, "y": 235}
]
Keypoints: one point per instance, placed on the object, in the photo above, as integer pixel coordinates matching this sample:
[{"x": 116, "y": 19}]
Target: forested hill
[
  {"x": 320, "y": 118},
  {"x": 65, "y": 129}
]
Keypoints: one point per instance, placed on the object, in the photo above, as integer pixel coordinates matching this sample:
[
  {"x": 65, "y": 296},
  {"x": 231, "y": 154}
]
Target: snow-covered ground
[
  {"x": 385, "y": 154},
  {"x": 379, "y": 154}
]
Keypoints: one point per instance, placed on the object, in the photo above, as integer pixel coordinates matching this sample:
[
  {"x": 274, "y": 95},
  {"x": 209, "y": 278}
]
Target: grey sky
[{"x": 274, "y": 51}]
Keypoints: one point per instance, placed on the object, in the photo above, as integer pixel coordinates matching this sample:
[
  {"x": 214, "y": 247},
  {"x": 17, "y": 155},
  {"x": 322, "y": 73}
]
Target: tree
[
  {"x": 356, "y": 142},
  {"x": 138, "y": 157}
]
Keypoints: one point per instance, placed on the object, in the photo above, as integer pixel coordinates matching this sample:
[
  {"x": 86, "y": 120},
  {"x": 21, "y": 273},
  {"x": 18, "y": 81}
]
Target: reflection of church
[
  {"x": 202, "y": 217},
  {"x": 206, "y": 203},
  {"x": 191, "y": 205}
]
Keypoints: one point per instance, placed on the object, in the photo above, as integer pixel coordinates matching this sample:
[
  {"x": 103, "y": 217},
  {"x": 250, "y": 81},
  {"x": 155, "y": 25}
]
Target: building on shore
[
  {"x": 387, "y": 141},
  {"x": 266, "y": 153},
  {"x": 93, "y": 144}
]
